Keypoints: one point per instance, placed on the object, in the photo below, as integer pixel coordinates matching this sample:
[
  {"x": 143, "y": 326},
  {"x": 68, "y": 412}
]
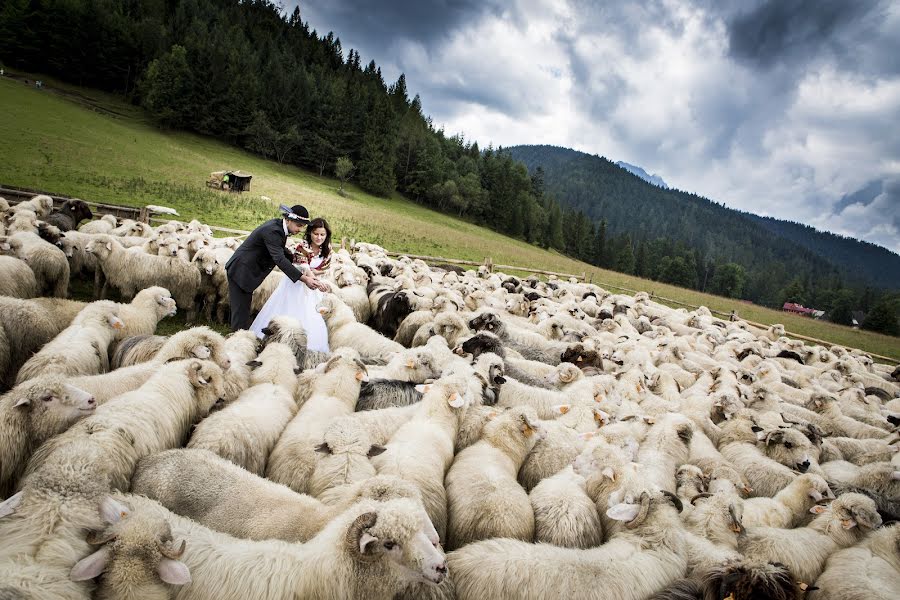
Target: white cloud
[{"x": 655, "y": 84}]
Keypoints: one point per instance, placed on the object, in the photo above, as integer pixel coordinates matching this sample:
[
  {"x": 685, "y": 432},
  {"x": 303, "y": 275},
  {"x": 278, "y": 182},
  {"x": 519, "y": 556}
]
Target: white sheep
[
  {"x": 32, "y": 413},
  {"x": 344, "y": 330},
  {"x": 220, "y": 495},
  {"x": 51, "y": 269},
  {"x": 104, "y": 224},
  {"x": 868, "y": 571},
  {"x": 645, "y": 558},
  {"x": 16, "y": 277},
  {"x": 158, "y": 415},
  {"x": 80, "y": 349},
  {"x": 484, "y": 500},
  {"x": 845, "y": 522},
  {"x": 421, "y": 450},
  {"x": 564, "y": 515},
  {"x": 131, "y": 272},
  {"x": 246, "y": 431},
  {"x": 790, "y": 506},
  {"x": 332, "y": 394},
  {"x": 370, "y": 551}
]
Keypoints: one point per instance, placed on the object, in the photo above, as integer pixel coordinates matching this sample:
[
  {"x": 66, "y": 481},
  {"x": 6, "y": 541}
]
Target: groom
[{"x": 257, "y": 256}]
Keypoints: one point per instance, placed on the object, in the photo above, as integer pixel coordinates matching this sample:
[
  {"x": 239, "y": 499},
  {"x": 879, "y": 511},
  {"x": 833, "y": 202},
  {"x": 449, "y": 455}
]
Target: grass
[{"x": 92, "y": 145}]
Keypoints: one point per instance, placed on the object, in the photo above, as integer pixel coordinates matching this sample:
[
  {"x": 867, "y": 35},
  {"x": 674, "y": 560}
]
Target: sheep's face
[
  {"x": 789, "y": 447},
  {"x": 717, "y": 517},
  {"x": 54, "y": 406},
  {"x": 206, "y": 377},
  {"x": 165, "y": 305},
  {"x": 480, "y": 343},
  {"x": 100, "y": 247},
  {"x": 138, "y": 552},
  {"x": 855, "y": 510},
  {"x": 397, "y": 533}
]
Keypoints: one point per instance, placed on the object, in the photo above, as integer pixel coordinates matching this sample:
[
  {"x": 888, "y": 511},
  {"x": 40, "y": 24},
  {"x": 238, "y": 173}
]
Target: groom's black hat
[{"x": 296, "y": 213}]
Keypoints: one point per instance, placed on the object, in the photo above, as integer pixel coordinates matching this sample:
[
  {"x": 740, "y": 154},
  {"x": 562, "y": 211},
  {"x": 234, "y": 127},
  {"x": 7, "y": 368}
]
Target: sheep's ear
[
  {"x": 456, "y": 400},
  {"x": 9, "y": 506},
  {"x": 774, "y": 438},
  {"x": 410, "y": 364},
  {"x": 297, "y": 370},
  {"x": 112, "y": 510},
  {"x": 562, "y": 408},
  {"x": 375, "y": 450},
  {"x": 423, "y": 388},
  {"x": 818, "y": 509},
  {"x": 174, "y": 572},
  {"x": 365, "y": 540},
  {"x": 623, "y": 512},
  {"x": 609, "y": 473},
  {"x": 109, "y": 246},
  {"x": 254, "y": 364},
  {"x": 22, "y": 402},
  {"x": 324, "y": 448},
  {"x": 202, "y": 352},
  {"x": 91, "y": 566},
  {"x": 848, "y": 523}
]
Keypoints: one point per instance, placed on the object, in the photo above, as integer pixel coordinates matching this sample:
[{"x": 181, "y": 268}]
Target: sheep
[
  {"x": 287, "y": 330},
  {"x": 859, "y": 452},
  {"x": 370, "y": 551},
  {"x": 214, "y": 281},
  {"x": 844, "y": 523},
  {"x": 241, "y": 348},
  {"x": 836, "y": 423},
  {"x": 220, "y": 495},
  {"x": 737, "y": 445},
  {"x": 450, "y": 325},
  {"x": 350, "y": 287},
  {"x": 395, "y": 383},
  {"x": 879, "y": 481},
  {"x": 739, "y": 580},
  {"x": 81, "y": 348},
  {"x": 665, "y": 447},
  {"x": 564, "y": 440},
  {"x": 384, "y": 393},
  {"x": 131, "y": 272},
  {"x": 24, "y": 329},
  {"x": 789, "y": 447},
  {"x": 104, "y": 224},
  {"x": 530, "y": 345},
  {"x": 421, "y": 450},
  {"x": 564, "y": 515},
  {"x": 648, "y": 556},
  {"x": 16, "y": 277},
  {"x": 868, "y": 571},
  {"x": 246, "y": 430},
  {"x": 158, "y": 415},
  {"x": 389, "y": 307},
  {"x": 49, "y": 263},
  {"x": 71, "y": 213},
  {"x": 343, "y": 330},
  {"x": 333, "y": 393},
  {"x": 40, "y": 205},
  {"x": 346, "y": 451},
  {"x": 197, "y": 342},
  {"x": 106, "y": 386},
  {"x": 137, "y": 553},
  {"x": 32, "y": 413},
  {"x": 132, "y": 228},
  {"x": 544, "y": 401},
  {"x": 790, "y": 506},
  {"x": 484, "y": 499}
]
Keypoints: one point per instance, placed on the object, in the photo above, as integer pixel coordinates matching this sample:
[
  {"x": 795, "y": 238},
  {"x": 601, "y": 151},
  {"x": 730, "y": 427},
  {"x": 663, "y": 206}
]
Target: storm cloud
[{"x": 784, "y": 108}]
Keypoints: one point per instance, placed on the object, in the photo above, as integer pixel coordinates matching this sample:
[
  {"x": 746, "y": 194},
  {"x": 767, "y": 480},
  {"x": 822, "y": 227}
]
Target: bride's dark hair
[{"x": 325, "y": 250}]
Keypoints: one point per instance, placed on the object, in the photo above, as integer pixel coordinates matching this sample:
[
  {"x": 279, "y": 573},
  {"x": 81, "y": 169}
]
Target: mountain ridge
[{"x": 768, "y": 248}]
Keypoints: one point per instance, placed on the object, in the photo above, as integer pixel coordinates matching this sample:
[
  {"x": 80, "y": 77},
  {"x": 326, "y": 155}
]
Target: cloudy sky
[{"x": 787, "y": 108}]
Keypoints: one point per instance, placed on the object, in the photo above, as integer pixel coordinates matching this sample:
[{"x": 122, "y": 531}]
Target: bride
[{"x": 298, "y": 299}]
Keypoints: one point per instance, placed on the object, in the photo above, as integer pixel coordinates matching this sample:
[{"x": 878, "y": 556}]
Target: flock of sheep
[{"x": 555, "y": 440}]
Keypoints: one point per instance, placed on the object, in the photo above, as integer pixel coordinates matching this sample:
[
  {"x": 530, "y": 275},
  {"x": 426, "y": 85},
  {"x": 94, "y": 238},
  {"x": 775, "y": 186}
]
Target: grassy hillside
[{"x": 83, "y": 143}]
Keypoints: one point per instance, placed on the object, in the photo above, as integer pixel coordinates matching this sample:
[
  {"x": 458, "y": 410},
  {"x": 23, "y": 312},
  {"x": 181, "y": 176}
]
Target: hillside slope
[
  {"x": 602, "y": 190},
  {"x": 95, "y": 146}
]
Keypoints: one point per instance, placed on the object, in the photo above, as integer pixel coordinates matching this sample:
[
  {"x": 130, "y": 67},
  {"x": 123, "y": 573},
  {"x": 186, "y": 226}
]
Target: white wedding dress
[{"x": 295, "y": 300}]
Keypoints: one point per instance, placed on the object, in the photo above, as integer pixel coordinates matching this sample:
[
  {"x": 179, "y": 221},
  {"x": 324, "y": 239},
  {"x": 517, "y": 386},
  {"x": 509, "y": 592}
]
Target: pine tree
[{"x": 376, "y": 169}]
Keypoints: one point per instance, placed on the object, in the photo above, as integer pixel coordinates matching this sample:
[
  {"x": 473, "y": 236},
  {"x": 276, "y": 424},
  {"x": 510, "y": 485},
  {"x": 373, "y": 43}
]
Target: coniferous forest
[{"x": 246, "y": 73}]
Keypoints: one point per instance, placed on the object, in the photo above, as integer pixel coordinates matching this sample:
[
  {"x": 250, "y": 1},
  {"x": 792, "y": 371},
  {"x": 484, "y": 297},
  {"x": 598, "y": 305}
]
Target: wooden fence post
[{"x": 489, "y": 263}]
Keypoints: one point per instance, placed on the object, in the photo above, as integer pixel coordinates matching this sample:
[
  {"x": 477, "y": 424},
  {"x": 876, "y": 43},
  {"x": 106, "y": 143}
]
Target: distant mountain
[
  {"x": 636, "y": 170},
  {"x": 773, "y": 252}
]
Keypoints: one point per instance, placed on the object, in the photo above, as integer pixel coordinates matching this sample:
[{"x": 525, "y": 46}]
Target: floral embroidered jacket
[{"x": 303, "y": 255}]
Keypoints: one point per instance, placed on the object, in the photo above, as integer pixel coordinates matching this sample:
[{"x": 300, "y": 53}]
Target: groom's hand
[{"x": 309, "y": 281}]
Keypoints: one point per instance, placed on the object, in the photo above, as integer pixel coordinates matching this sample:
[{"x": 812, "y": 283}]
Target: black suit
[{"x": 251, "y": 263}]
